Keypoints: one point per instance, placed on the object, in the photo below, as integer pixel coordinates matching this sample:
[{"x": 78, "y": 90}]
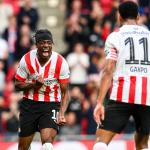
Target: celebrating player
[{"x": 43, "y": 76}]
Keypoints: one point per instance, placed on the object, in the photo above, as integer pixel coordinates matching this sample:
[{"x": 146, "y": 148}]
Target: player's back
[
  {"x": 131, "y": 79},
  {"x": 133, "y": 50}
]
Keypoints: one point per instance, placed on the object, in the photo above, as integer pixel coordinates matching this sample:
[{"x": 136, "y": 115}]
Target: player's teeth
[{"x": 45, "y": 50}]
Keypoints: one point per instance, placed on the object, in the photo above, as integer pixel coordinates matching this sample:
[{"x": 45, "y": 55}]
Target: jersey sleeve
[
  {"x": 111, "y": 45},
  {"x": 64, "y": 72},
  {"x": 22, "y": 72}
]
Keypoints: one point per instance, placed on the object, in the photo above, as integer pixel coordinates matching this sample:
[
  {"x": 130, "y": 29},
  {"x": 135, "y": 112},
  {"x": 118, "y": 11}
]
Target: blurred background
[{"x": 79, "y": 28}]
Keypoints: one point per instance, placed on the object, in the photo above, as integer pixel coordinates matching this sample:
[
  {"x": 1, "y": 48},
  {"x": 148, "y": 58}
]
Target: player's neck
[
  {"x": 42, "y": 61},
  {"x": 130, "y": 22}
]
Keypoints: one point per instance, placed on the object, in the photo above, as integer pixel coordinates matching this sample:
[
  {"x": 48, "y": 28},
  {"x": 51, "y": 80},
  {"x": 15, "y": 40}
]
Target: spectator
[
  {"x": 2, "y": 77},
  {"x": 96, "y": 13},
  {"x": 78, "y": 62},
  {"x": 6, "y": 11},
  {"x": 112, "y": 15},
  {"x": 94, "y": 63},
  {"x": 24, "y": 42},
  {"x": 15, "y": 5},
  {"x": 106, "y": 6},
  {"x": 75, "y": 103},
  {"x": 73, "y": 32},
  {"x": 4, "y": 53},
  {"x": 11, "y": 116},
  {"x": 3, "y": 49},
  {"x": 28, "y": 15},
  {"x": 91, "y": 127},
  {"x": 76, "y": 8},
  {"x": 96, "y": 34},
  {"x": 10, "y": 35}
]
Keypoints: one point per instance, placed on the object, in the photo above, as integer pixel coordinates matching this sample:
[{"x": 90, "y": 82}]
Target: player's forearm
[
  {"x": 64, "y": 102},
  {"x": 23, "y": 86},
  {"x": 104, "y": 86},
  {"x": 106, "y": 79},
  {"x": 64, "y": 98}
]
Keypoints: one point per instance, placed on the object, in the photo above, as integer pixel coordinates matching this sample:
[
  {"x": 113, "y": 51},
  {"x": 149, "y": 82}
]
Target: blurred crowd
[
  {"x": 18, "y": 20},
  {"x": 87, "y": 25}
]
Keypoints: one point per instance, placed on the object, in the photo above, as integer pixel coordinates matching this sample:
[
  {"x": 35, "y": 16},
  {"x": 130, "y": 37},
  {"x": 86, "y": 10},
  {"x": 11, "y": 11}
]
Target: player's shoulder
[
  {"x": 145, "y": 29},
  {"x": 31, "y": 52},
  {"x": 113, "y": 36},
  {"x": 57, "y": 55}
]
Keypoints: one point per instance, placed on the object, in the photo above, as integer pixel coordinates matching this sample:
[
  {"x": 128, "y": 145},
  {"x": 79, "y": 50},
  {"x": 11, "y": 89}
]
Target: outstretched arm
[
  {"x": 106, "y": 79},
  {"x": 64, "y": 103}
]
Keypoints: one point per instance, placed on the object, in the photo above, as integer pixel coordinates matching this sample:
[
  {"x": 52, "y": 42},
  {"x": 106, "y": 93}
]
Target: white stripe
[
  {"x": 53, "y": 64},
  {"x": 126, "y": 87},
  {"x": 138, "y": 90},
  {"x": 148, "y": 92},
  {"x": 32, "y": 59},
  {"x": 113, "y": 95}
]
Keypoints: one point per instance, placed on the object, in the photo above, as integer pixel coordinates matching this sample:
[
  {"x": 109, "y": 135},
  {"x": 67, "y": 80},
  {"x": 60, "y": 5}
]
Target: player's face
[{"x": 44, "y": 48}]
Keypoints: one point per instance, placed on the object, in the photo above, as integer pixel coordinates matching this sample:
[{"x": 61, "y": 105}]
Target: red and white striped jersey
[
  {"x": 55, "y": 71},
  {"x": 130, "y": 47}
]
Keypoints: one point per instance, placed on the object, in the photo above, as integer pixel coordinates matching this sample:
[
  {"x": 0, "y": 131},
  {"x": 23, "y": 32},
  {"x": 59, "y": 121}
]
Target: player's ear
[
  {"x": 119, "y": 18},
  {"x": 138, "y": 17}
]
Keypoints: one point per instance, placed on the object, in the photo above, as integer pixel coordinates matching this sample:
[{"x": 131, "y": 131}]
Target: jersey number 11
[{"x": 132, "y": 59}]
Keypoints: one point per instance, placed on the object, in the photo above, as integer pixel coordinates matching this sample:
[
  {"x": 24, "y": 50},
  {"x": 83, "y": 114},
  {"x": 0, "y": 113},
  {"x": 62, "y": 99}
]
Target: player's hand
[
  {"x": 61, "y": 120},
  {"x": 99, "y": 113},
  {"x": 39, "y": 81}
]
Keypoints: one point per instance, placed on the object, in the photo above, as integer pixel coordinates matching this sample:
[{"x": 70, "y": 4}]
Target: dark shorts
[
  {"x": 117, "y": 115},
  {"x": 35, "y": 116}
]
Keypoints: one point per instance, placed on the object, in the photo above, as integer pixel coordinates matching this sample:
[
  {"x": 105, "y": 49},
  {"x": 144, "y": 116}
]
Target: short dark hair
[
  {"x": 43, "y": 34},
  {"x": 128, "y": 10}
]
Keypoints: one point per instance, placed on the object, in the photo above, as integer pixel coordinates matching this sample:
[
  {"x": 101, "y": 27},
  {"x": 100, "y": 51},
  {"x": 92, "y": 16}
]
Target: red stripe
[
  {"x": 144, "y": 90},
  {"x": 46, "y": 94},
  {"x": 26, "y": 93},
  {"x": 58, "y": 66},
  {"x": 28, "y": 62},
  {"x": 46, "y": 71},
  {"x": 120, "y": 88},
  {"x": 19, "y": 78},
  {"x": 130, "y": 145},
  {"x": 36, "y": 91},
  {"x": 55, "y": 92},
  {"x": 64, "y": 80},
  {"x": 36, "y": 94},
  {"x": 47, "y": 90},
  {"x": 132, "y": 89}
]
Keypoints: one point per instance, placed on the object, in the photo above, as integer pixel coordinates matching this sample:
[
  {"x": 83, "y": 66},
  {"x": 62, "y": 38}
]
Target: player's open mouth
[{"x": 46, "y": 52}]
